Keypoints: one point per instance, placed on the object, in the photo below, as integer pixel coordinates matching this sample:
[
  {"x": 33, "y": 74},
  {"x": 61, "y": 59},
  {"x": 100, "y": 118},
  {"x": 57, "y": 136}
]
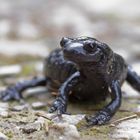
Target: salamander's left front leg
[
  {"x": 108, "y": 111},
  {"x": 60, "y": 104}
]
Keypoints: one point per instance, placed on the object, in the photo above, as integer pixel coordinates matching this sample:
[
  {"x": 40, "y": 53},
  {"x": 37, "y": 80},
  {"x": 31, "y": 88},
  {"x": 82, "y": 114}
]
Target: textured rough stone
[
  {"x": 3, "y": 137},
  {"x": 128, "y": 130},
  {"x": 38, "y": 105},
  {"x": 63, "y": 131}
]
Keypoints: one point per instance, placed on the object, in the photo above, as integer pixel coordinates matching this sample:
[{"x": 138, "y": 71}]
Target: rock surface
[
  {"x": 63, "y": 131},
  {"x": 3, "y": 137},
  {"x": 128, "y": 130},
  {"x": 4, "y": 109}
]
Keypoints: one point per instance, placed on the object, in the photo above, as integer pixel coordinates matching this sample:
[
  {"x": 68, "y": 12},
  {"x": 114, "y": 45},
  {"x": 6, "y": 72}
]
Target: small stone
[
  {"x": 63, "y": 131},
  {"x": 71, "y": 119},
  {"x": 4, "y": 106},
  {"x": 20, "y": 107},
  {"x": 10, "y": 70},
  {"x": 3, "y": 137},
  {"x": 40, "y": 120},
  {"x": 38, "y": 105},
  {"x": 4, "y": 114},
  {"x": 61, "y": 138},
  {"x": 71, "y": 131},
  {"x": 4, "y": 109},
  {"x": 30, "y": 128}
]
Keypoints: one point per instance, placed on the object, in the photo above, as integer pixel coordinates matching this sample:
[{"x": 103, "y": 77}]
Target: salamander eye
[{"x": 90, "y": 47}]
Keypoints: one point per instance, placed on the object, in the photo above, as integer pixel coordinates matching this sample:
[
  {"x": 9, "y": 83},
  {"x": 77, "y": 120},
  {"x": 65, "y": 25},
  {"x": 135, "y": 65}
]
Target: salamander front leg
[
  {"x": 60, "y": 103},
  {"x": 108, "y": 111}
]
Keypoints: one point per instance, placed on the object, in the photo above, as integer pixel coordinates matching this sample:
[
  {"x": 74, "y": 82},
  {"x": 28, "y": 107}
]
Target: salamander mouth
[
  {"x": 78, "y": 58},
  {"x": 74, "y": 58},
  {"x": 69, "y": 57}
]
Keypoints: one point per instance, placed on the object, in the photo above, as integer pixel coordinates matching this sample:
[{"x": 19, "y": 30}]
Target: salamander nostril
[{"x": 64, "y": 41}]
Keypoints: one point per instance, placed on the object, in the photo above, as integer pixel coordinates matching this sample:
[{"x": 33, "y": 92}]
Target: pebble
[
  {"x": 30, "y": 128},
  {"x": 10, "y": 70},
  {"x": 60, "y": 128},
  {"x": 40, "y": 120},
  {"x": 63, "y": 131},
  {"x": 4, "y": 109},
  {"x": 71, "y": 119},
  {"x": 4, "y": 106},
  {"x": 38, "y": 105},
  {"x": 20, "y": 107},
  {"x": 4, "y": 114}
]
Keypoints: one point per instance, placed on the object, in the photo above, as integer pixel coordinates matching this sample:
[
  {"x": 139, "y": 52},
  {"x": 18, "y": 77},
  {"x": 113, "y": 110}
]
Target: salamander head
[{"x": 84, "y": 49}]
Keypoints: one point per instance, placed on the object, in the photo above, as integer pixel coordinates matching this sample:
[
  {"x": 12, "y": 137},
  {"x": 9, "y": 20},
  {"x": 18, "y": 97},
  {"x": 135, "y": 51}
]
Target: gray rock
[
  {"x": 4, "y": 114},
  {"x": 4, "y": 109},
  {"x": 70, "y": 119},
  {"x": 60, "y": 128},
  {"x": 20, "y": 107},
  {"x": 10, "y": 70},
  {"x": 63, "y": 131},
  {"x": 4, "y": 106},
  {"x": 30, "y": 128},
  {"x": 40, "y": 120},
  {"x": 128, "y": 130},
  {"x": 38, "y": 105}
]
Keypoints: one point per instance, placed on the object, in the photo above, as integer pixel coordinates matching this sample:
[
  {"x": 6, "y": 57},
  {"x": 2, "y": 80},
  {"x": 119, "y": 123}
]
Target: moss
[
  {"x": 28, "y": 70},
  {"x": 99, "y": 132},
  {"x": 9, "y": 134},
  {"x": 81, "y": 125}
]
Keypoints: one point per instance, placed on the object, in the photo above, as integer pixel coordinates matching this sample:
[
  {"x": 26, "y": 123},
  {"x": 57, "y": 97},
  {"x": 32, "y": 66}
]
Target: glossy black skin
[{"x": 83, "y": 69}]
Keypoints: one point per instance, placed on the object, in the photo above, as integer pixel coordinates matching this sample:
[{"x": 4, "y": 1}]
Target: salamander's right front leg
[
  {"x": 15, "y": 92},
  {"x": 60, "y": 104}
]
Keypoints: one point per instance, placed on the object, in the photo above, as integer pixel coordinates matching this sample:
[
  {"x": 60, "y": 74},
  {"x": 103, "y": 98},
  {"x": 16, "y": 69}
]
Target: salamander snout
[{"x": 64, "y": 41}]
